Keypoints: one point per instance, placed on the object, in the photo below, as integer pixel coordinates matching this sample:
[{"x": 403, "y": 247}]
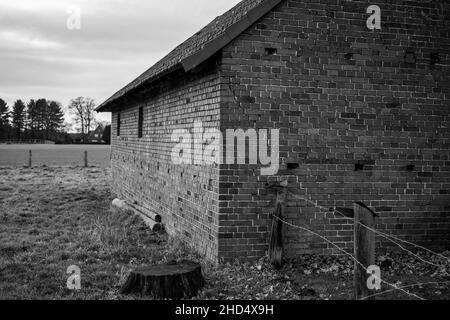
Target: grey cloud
[{"x": 118, "y": 40}]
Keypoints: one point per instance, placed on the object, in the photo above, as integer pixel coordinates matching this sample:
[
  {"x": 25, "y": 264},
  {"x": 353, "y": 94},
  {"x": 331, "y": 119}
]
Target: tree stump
[{"x": 167, "y": 281}]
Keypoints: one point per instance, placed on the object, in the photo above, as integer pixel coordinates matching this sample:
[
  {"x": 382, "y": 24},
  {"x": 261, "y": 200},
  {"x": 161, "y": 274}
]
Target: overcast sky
[{"x": 40, "y": 57}]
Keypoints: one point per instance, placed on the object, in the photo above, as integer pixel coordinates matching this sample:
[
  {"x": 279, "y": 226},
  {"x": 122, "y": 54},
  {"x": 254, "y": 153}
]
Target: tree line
[
  {"x": 38, "y": 119},
  {"x": 43, "y": 119}
]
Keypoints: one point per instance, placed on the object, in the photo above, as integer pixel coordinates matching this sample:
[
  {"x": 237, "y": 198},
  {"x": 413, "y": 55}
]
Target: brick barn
[{"x": 363, "y": 116}]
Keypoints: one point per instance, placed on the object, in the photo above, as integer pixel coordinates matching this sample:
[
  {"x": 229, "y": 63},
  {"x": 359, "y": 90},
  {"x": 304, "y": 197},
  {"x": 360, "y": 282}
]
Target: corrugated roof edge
[{"x": 207, "y": 51}]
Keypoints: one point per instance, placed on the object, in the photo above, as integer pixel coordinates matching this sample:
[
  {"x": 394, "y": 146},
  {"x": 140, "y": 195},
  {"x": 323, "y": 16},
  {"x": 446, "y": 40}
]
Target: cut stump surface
[{"x": 167, "y": 281}]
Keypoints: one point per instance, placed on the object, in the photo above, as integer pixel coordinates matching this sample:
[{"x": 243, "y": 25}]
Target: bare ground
[{"x": 52, "y": 218}]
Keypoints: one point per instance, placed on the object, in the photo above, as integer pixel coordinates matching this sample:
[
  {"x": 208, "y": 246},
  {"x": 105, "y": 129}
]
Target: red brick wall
[
  {"x": 143, "y": 173},
  {"x": 342, "y": 95}
]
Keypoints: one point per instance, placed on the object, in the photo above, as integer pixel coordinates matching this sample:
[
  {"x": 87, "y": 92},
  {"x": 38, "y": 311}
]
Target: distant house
[{"x": 95, "y": 136}]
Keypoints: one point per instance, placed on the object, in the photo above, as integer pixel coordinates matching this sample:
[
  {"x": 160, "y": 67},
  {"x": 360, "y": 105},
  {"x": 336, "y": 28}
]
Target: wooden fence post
[
  {"x": 364, "y": 241},
  {"x": 85, "y": 159},
  {"x": 30, "y": 155},
  {"x": 276, "y": 236}
]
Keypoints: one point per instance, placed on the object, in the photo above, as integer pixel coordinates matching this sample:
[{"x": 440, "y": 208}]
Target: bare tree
[
  {"x": 76, "y": 107},
  {"x": 89, "y": 114},
  {"x": 83, "y": 110}
]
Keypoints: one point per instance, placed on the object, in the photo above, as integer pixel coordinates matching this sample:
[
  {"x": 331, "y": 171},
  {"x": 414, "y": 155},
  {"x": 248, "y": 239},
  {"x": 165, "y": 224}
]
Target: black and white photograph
[{"x": 225, "y": 155}]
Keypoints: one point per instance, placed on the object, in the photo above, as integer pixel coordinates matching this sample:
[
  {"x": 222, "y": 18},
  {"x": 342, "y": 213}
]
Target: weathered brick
[{"x": 341, "y": 95}]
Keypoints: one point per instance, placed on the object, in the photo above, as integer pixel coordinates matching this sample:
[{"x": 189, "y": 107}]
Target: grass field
[
  {"x": 54, "y": 155},
  {"x": 54, "y": 217}
]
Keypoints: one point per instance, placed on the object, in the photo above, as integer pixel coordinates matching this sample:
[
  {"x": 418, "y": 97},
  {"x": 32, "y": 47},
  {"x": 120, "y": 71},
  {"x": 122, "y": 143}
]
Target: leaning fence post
[
  {"x": 86, "y": 159},
  {"x": 364, "y": 242},
  {"x": 276, "y": 236},
  {"x": 30, "y": 155}
]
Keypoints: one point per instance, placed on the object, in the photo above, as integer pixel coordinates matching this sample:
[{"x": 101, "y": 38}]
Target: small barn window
[
  {"x": 141, "y": 122},
  {"x": 118, "y": 124}
]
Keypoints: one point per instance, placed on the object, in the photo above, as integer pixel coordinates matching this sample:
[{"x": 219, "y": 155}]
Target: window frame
[
  {"x": 119, "y": 122},
  {"x": 141, "y": 122}
]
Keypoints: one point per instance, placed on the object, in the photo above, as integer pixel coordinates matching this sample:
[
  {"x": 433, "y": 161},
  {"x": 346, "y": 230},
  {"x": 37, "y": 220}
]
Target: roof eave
[
  {"x": 108, "y": 104},
  {"x": 211, "y": 48}
]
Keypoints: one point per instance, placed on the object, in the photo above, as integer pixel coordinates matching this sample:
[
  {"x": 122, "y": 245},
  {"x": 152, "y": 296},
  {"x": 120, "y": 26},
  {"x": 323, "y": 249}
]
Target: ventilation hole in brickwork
[
  {"x": 359, "y": 167},
  {"x": 434, "y": 58},
  {"x": 270, "y": 51},
  {"x": 410, "y": 57},
  {"x": 348, "y": 56},
  {"x": 261, "y": 26},
  {"x": 410, "y": 167},
  {"x": 393, "y": 105},
  {"x": 247, "y": 99},
  {"x": 188, "y": 100},
  {"x": 293, "y": 166}
]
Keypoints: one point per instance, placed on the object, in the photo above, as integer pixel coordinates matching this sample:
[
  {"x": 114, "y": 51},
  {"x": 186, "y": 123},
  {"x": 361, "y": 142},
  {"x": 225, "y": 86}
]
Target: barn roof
[{"x": 200, "y": 46}]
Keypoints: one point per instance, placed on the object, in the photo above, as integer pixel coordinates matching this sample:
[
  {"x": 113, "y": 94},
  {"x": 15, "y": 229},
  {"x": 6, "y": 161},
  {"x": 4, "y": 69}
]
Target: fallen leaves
[{"x": 314, "y": 277}]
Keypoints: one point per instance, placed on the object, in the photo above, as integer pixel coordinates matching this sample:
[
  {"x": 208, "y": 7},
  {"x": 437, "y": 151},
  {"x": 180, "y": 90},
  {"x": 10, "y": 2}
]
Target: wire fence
[
  {"x": 392, "y": 238},
  {"x": 389, "y": 237},
  {"x": 17, "y": 156}
]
